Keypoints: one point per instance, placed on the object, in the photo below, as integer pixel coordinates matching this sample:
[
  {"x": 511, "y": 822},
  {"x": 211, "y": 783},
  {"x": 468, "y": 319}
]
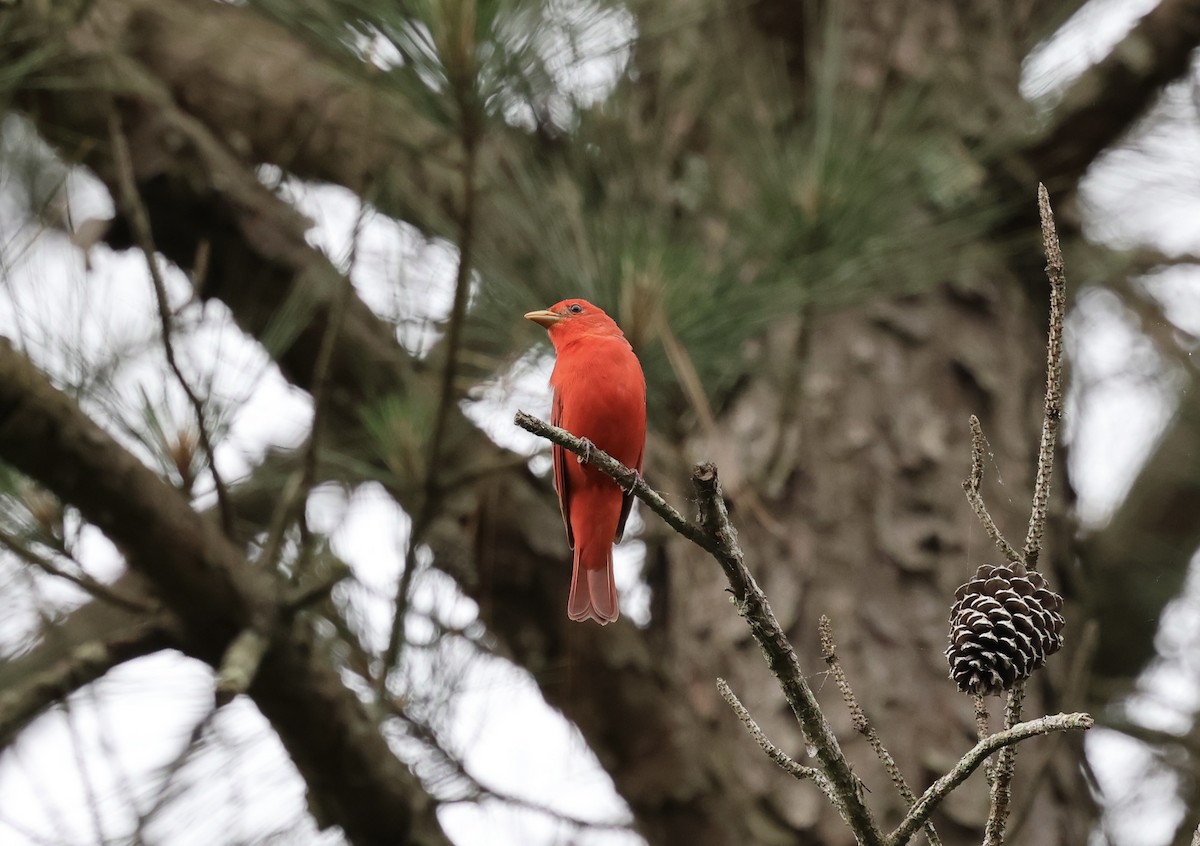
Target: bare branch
[
  {"x": 718, "y": 537},
  {"x": 81, "y": 580},
  {"x": 1053, "y": 405},
  {"x": 862, "y": 725},
  {"x": 1002, "y": 773},
  {"x": 981, "y": 728},
  {"x": 448, "y": 394},
  {"x": 781, "y": 758},
  {"x": 940, "y": 789},
  {"x": 971, "y": 488}
]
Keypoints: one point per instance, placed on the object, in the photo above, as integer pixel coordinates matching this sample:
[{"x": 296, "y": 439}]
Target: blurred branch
[
  {"x": 1105, "y": 100},
  {"x": 239, "y": 665},
  {"x": 135, "y": 212},
  {"x": 476, "y": 790},
  {"x": 309, "y": 113},
  {"x": 82, "y": 580},
  {"x": 352, "y": 775},
  {"x": 1142, "y": 260},
  {"x": 469, "y": 139},
  {"x": 25, "y": 696}
]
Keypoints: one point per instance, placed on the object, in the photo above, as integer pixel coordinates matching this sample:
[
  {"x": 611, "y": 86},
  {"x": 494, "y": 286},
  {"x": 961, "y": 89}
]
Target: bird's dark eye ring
[{"x": 575, "y": 308}]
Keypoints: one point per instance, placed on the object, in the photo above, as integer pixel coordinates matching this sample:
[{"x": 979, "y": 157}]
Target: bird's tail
[{"x": 593, "y": 591}]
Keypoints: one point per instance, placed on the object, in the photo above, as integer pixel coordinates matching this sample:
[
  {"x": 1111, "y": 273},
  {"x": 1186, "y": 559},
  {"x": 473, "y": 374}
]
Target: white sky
[{"x": 103, "y": 751}]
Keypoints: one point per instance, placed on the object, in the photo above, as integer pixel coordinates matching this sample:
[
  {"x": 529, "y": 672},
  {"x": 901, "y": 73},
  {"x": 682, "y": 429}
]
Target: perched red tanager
[{"x": 599, "y": 394}]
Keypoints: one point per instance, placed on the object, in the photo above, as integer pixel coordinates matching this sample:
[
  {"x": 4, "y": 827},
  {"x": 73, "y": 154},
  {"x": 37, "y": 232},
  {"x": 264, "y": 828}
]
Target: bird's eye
[{"x": 575, "y": 308}]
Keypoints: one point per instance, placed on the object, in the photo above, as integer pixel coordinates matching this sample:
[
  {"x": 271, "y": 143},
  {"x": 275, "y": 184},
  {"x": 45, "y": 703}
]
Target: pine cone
[{"x": 1004, "y": 624}]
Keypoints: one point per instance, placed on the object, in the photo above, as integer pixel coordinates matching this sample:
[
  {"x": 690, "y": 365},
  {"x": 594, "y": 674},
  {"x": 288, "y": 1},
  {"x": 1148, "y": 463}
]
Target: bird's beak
[{"x": 543, "y": 317}]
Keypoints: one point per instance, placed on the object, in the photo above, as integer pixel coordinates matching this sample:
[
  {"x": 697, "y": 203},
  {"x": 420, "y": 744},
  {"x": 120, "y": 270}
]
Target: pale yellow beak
[{"x": 543, "y": 317}]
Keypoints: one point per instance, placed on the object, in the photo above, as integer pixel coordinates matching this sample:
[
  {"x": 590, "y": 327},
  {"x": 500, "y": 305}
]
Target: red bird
[{"x": 599, "y": 394}]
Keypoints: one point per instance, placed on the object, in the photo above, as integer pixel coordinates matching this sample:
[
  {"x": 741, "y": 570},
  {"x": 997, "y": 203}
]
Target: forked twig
[
  {"x": 1005, "y": 766},
  {"x": 139, "y": 220},
  {"x": 1003, "y": 771},
  {"x": 786, "y": 763},
  {"x": 971, "y": 488},
  {"x": 862, "y": 725},
  {"x": 716, "y": 535},
  {"x": 942, "y": 788}
]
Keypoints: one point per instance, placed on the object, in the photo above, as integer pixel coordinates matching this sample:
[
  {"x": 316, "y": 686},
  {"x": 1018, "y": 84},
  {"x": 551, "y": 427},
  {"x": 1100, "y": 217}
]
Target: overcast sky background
[{"x": 81, "y": 774}]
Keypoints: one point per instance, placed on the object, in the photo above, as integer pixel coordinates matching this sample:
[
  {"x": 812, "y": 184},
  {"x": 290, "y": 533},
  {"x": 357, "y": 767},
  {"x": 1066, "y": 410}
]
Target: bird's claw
[
  {"x": 632, "y": 480},
  {"x": 588, "y": 447}
]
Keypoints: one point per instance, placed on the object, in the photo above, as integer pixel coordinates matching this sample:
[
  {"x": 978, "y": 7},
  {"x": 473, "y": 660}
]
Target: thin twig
[
  {"x": 718, "y": 537},
  {"x": 305, "y": 593},
  {"x": 1006, "y": 766},
  {"x": 140, "y": 221},
  {"x": 83, "y": 581},
  {"x": 1073, "y": 693},
  {"x": 940, "y": 789},
  {"x": 981, "y": 716},
  {"x": 476, "y": 791},
  {"x": 298, "y": 488},
  {"x": 469, "y": 138},
  {"x": 1053, "y": 405},
  {"x": 862, "y": 725},
  {"x": 173, "y": 767},
  {"x": 971, "y": 487},
  {"x": 983, "y": 729},
  {"x": 781, "y": 758}
]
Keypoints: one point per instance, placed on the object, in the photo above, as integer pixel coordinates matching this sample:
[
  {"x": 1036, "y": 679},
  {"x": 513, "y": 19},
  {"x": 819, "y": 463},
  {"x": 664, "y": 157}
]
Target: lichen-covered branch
[
  {"x": 971, "y": 487},
  {"x": 1003, "y": 772},
  {"x": 785, "y": 762},
  {"x": 862, "y": 725},
  {"x": 940, "y": 789},
  {"x": 716, "y": 535},
  {"x": 1052, "y": 412}
]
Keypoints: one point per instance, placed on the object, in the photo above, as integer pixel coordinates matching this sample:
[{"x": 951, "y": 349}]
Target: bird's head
[{"x": 572, "y": 318}]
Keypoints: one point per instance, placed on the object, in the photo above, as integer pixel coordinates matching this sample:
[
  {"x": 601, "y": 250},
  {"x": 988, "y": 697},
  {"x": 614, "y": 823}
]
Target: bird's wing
[{"x": 560, "y": 469}]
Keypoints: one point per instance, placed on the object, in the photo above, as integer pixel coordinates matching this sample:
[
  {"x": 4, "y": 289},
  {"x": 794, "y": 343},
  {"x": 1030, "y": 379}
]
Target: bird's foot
[
  {"x": 630, "y": 482},
  {"x": 588, "y": 448}
]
